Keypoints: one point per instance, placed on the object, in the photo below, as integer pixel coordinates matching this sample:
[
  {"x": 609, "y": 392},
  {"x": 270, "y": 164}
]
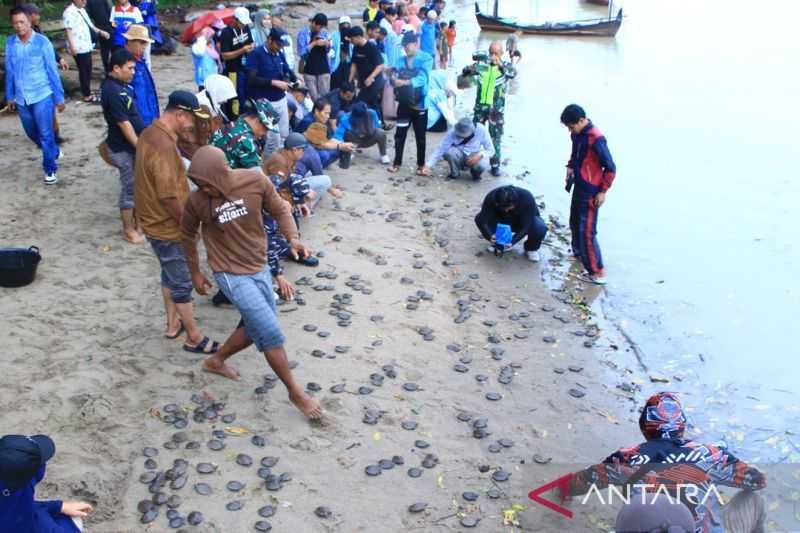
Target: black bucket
[{"x": 18, "y": 266}]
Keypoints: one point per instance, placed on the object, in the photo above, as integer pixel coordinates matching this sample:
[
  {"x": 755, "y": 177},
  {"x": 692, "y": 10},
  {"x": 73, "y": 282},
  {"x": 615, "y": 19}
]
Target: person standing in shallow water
[
  {"x": 226, "y": 210},
  {"x": 590, "y": 173}
]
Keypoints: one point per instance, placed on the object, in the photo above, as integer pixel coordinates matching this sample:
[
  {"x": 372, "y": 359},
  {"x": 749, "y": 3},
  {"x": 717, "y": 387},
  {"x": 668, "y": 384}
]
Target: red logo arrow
[{"x": 562, "y": 484}]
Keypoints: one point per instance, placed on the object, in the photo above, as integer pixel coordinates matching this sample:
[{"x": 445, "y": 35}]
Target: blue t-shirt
[{"x": 20, "y": 513}]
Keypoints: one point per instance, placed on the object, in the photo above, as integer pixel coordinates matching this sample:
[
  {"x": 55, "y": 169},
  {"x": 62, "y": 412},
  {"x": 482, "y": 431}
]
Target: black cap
[
  {"x": 279, "y": 35},
  {"x": 186, "y": 101},
  {"x": 391, "y": 10},
  {"x": 321, "y": 19},
  {"x": 409, "y": 37},
  {"x": 21, "y": 457},
  {"x": 356, "y": 31}
]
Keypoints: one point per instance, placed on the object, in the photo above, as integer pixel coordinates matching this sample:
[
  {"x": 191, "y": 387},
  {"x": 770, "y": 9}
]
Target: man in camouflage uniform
[
  {"x": 491, "y": 75},
  {"x": 242, "y": 140}
]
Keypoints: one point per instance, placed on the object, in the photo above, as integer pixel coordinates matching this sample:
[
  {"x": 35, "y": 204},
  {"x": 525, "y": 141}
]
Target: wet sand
[{"x": 86, "y": 362}]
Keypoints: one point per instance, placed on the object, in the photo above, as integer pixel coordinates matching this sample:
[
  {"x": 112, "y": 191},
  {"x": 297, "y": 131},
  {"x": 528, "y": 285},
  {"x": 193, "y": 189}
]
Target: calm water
[{"x": 699, "y": 232}]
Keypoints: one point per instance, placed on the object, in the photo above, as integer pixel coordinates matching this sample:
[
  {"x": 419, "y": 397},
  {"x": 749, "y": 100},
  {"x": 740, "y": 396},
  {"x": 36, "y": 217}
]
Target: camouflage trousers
[{"x": 493, "y": 117}]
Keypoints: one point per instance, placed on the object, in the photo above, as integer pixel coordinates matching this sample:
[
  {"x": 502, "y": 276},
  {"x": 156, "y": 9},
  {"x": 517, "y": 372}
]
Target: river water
[{"x": 699, "y": 232}]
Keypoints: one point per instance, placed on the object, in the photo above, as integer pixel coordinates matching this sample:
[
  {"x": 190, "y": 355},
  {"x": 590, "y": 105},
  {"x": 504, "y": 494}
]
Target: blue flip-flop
[{"x": 201, "y": 347}]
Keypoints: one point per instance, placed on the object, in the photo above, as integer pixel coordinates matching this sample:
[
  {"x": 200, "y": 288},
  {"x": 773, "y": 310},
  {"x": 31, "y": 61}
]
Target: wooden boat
[
  {"x": 604, "y": 27},
  {"x": 598, "y": 2}
]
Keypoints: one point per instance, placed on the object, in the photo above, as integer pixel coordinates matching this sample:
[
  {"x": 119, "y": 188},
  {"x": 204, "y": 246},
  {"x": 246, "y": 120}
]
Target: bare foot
[
  {"x": 213, "y": 365},
  {"x": 308, "y": 405},
  {"x": 335, "y": 192},
  {"x": 133, "y": 237}
]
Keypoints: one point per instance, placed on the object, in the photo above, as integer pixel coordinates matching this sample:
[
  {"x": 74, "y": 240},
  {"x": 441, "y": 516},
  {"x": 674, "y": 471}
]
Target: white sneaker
[
  {"x": 385, "y": 160},
  {"x": 533, "y": 255},
  {"x": 50, "y": 179}
]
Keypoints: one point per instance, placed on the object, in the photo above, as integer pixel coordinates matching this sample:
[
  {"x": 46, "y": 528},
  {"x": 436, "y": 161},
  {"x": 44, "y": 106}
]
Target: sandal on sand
[
  {"x": 181, "y": 329},
  {"x": 201, "y": 347}
]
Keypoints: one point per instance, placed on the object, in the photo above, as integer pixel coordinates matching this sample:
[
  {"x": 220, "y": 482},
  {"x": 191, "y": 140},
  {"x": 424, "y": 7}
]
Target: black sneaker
[{"x": 495, "y": 171}]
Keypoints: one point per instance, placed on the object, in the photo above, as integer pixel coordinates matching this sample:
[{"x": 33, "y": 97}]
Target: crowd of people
[{"x": 242, "y": 161}]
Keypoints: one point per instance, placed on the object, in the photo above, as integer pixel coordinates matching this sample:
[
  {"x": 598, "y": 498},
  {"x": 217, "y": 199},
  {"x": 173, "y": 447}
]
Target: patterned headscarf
[{"x": 662, "y": 417}]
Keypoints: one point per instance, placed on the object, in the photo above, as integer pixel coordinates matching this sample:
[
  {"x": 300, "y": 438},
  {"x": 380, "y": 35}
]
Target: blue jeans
[
  {"x": 37, "y": 121},
  {"x": 253, "y": 296},
  {"x": 327, "y": 157},
  {"x": 175, "y": 274}
]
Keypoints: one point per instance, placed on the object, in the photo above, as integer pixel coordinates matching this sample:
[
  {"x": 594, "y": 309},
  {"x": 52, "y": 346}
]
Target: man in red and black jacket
[{"x": 591, "y": 170}]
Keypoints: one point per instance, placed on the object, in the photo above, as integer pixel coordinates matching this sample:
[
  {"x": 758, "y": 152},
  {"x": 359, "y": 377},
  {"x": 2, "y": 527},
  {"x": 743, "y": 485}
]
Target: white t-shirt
[{"x": 76, "y": 20}]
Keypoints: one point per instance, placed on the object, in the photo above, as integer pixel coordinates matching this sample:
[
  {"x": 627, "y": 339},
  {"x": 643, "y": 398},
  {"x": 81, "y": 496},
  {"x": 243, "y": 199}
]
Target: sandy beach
[{"x": 86, "y": 363}]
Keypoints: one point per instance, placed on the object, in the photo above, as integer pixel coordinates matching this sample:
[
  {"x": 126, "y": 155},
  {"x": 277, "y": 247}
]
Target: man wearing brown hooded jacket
[{"x": 226, "y": 209}]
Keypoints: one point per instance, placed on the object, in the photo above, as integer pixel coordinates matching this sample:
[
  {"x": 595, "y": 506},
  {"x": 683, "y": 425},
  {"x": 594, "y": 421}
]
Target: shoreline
[{"x": 89, "y": 364}]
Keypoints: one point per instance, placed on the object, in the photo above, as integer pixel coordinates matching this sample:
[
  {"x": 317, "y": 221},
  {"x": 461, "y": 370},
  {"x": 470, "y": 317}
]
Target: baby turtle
[
  {"x": 470, "y": 521},
  {"x": 150, "y": 464},
  {"x": 235, "y": 505},
  {"x": 410, "y": 387},
  {"x": 263, "y": 525},
  {"x": 215, "y": 445},
  {"x": 318, "y": 353},
  {"x": 500, "y": 475},
  {"x": 206, "y": 468},
  {"x": 266, "y": 511},
  {"x": 145, "y": 505},
  {"x": 430, "y": 461},
  {"x": 313, "y": 387},
  {"x": 415, "y": 472},
  {"x": 274, "y": 484},
  {"x": 149, "y": 516},
  {"x": 258, "y": 440},
  {"x": 179, "y": 482},
  {"x": 493, "y": 494},
  {"x": 549, "y": 339},
  {"x": 364, "y": 390},
  {"x": 323, "y": 512},
  {"x": 409, "y": 425},
  {"x": 269, "y": 462},
  {"x": 147, "y": 477},
  {"x": 417, "y": 507},
  {"x": 174, "y": 501},
  {"x": 338, "y": 388},
  {"x": 386, "y": 464},
  {"x": 341, "y": 349},
  {"x": 264, "y": 472},
  {"x": 310, "y": 328},
  {"x": 541, "y": 460},
  {"x": 150, "y": 452},
  {"x": 195, "y": 518},
  {"x": 480, "y": 378},
  {"x": 575, "y": 393},
  {"x": 203, "y": 489},
  {"x": 505, "y": 443},
  {"x": 493, "y": 396},
  {"x": 373, "y": 470},
  {"x": 470, "y": 496},
  {"x": 463, "y": 417},
  {"x": 396, "y": 459},
  {"x": 234, "y": 486},
  {"x": 180, "y": 423},
  {"x": 323, "y": 334},
  {"x": 458, "y": 367},
  {"x": 229, "y": 418},
  {"x": 494, "y": 448},
  {"x": 244, "y": 460},
  {"x": 421, "y": 444}
]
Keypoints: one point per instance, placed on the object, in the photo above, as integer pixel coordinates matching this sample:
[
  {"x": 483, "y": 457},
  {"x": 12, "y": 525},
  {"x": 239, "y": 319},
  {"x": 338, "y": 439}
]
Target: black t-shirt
[
  {"x": 366, "y": 58},
  {"x": 231, "y": 40},
  {"x": 119, "y": 105},
  {"x": 317, "y": 59}
]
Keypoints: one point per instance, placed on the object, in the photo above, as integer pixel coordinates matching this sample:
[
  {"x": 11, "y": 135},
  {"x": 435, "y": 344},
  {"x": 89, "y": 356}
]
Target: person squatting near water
[
  {"x": 491, "y": 75},
  {"x": 226, "y": 211},
  {"x": 516, "y": 208},
  {"x": 590, "y": 173},
  {"x": 667, "y": 460}
]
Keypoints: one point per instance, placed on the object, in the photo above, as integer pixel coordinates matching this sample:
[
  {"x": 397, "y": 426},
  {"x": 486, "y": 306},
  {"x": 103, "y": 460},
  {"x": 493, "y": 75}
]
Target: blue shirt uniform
[
  {"x": 144, "y": 89},
  {"x": 21, "y": 513},
  {"x": 263, "y": 67},
  {"x": 31, "y": 71}
]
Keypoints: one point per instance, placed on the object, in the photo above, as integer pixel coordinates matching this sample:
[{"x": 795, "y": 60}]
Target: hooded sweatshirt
[{"x": 232, "y": 228}]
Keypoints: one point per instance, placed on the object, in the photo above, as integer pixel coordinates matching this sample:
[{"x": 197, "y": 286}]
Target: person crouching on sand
[
  {"x": 226, "y": 209},
  {"x": 22, "y": 466}
]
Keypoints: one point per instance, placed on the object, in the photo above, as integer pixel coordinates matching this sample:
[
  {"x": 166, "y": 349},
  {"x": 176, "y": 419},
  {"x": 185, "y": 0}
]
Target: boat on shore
[
  {"x": 603, "y": 27},
  {"x": 598, "y": 2}
]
